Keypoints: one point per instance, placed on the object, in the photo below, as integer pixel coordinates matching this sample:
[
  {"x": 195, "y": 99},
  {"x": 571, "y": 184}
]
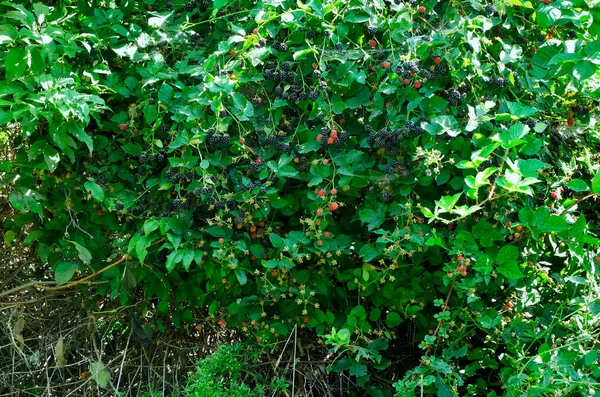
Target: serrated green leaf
[{"x": 507, "y": 262}]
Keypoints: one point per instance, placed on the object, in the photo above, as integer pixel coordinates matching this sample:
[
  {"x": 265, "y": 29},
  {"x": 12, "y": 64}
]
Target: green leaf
[
  {"x": 26, "y": 201},
  {"x": 165, "y": 94},
  {"x": 393, "y": 319},
  {"x": 302, "y": 54},
  {"x": 220, "y": 3},
  {"x": 340, "y": 365},
  {"x": 578, "y": 185},
  {"x": 100, "y": 374},
  {"x": 188, "y": 257},
  {"x": 9, "y": 237},
  {"x": 37, "y": 63},
  {"x": 95, "y": 190},
  {"x": 583, "y": 70},
  {"x": 507, "y": 262},
  {"x": 547, "y": 15},
  {"x": 276, "y": 240},
  {"x": 519, "y": 110},
  {"x": 16, "y": 63},
  {"x": 241, "y": 276},
  {"x": 133, "y": 149},
  {"x": 64, "y": 271},
  {"x": 372, "y": 218},
  {"x": 357, "y": 369},
  {"x": 51, "y": 157},
  {"x": 150, "y": 114},
  {"x": 84, "y": 254},
  {"x": 596, "y": 183},
  {"x": 368, "y": 252},
  {"x": 82, "y": 136}
]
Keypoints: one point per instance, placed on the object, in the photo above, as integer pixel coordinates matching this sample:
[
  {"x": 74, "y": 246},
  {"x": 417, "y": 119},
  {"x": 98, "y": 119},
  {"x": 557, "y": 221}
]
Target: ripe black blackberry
[
  {"x": 203, "y": 5},
  {"x": 119, "y": 207},
  {"x": 463, "y": 88},
  {"x": 489, "y": 9},
  {"x": 223, "y": 113},
  {"x": 328, "y": 33},
  {"x": 286, "y": 66},
  {"x": 339, "y": 47},
  {"x": 441, "y": 69},
  {"x": 281, "y": 47},
  {"x": 541, "y": 37},
  {"x": 313, "y": 95},
  {"x": 189, "y": 7},
  {"x": 412, "y": 66},
  {"x": 317, "y": 73},
  {"x": 142, "y": 158},
  {"x": 531, "y": 123},
  {"x": 454, "y": 97},
  {"x": 310, "y": 34},
  {"x": 372, "y": 30},
  {"x": 501, "y": 82}
]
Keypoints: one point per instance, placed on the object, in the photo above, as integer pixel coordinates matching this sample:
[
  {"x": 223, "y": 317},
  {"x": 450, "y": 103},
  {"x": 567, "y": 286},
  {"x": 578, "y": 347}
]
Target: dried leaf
[
  {"x": 19, "y": 325},
  {"x": 59, "y": 352},
  {"x": 100, "y": 374}
]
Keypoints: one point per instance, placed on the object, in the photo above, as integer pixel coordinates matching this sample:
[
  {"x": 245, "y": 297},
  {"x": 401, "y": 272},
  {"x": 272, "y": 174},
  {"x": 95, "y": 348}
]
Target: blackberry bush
[{"x": 393, "y": 192}]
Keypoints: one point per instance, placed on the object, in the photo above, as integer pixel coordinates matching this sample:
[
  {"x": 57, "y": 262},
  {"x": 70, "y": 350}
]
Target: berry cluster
[
  {"x": 454, "y": 97},
  {"x": 497, "y": 81},
  {"x": 281, "y": 47},
  {"x": 214, "y": 140}
]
